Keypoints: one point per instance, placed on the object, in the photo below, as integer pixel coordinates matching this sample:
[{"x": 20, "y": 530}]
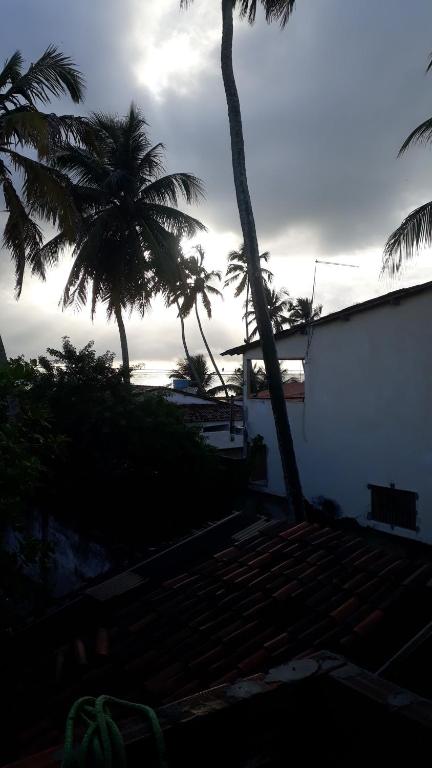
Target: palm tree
[
  {"x": 199, "y": 375},
  {"x": 235, "y": 381},
  {"x": 278, "y": 303},
  {"x": 124, "y": 246},
  {"x": 3, "y": 357},
  {"x": 301, "y": 311},
  {"x": 175, "y": 291},
  {"x": 200, "y": 287},
  {"x": 275, "y": 10},
  {"x": 237, "y": 271},
  {"x": 24, "y": 126},
  {"x": 416, "y": 229}
]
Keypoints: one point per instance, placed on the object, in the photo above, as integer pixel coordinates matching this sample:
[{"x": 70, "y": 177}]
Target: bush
[{"x": 109, "y": 459}]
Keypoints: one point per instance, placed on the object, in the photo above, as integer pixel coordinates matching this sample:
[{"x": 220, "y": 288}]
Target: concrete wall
[
  {"x": 222, "y": 439},
  {"x": 367, "y": 415}
]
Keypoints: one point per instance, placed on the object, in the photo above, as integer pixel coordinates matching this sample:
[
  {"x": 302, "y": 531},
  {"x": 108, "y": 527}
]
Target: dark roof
[
  {"x": 156, "y": 389},
  {"x": 287, "y": 591},
  {"x": 394, "y": 297},
  {"x": 355, "y": 717},
  {"x": 200, "y": 413}
]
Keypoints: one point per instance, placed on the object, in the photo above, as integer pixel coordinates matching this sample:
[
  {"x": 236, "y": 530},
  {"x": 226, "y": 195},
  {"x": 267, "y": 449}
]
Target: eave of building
[{"x": 393, "y": 297}]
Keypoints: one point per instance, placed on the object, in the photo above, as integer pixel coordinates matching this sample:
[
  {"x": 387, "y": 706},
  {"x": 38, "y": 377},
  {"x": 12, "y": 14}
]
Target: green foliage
[
  {"x": 124, "y": 244},
  {"x": 279, "y": 304},
  {"x": 301, "y": 311},
  {"x": 102, "y": 454},
  {"x": 415, "y": 231},
  {"x": 28, "y": 442},
  {"x": 200, "y": 366},
  {"x": 23, "y": 126}
]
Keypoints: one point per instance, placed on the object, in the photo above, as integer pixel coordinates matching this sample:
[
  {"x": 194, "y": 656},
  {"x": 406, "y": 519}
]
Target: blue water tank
[{"x": 180, "y": 384}]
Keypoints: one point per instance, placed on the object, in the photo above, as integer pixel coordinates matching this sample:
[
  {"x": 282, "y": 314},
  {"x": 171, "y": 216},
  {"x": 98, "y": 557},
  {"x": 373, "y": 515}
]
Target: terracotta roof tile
[
  {"x": 369, "y": 624},
  {"x": 258, "y": 603}
]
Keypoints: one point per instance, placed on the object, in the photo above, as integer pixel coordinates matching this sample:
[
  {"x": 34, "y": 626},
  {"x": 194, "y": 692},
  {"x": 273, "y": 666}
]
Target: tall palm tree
[
  {"x": 278, "y": 303},
  {"x": 200, "y": 375},
  {"x": 123, "y": 247},
  {"x": 200, "y": 286},
  {"x": 301, "y": 311},
  {"x": 175, "y": 290},
  {"x": 275, "y": 10},
  {"x": 3, "y": 357},
  {"x": 415, "y": 231},
  {"x": 237, "y": 271},
  {"x": 25, "y": 128}
]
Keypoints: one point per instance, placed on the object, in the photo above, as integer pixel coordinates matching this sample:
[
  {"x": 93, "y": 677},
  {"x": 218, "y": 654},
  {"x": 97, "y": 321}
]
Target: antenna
[{"x": 330, "y": 264}]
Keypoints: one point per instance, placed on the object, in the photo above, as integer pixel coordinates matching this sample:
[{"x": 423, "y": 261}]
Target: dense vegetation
[{"x": 81, "y": 444}]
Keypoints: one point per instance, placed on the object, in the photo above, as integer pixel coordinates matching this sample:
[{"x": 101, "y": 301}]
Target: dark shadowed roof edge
[{"x": 394, "y": 297}]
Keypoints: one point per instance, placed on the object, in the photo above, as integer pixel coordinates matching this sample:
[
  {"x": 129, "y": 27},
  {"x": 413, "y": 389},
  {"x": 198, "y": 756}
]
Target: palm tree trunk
[
  {"x": 283, "y": 431},
  {"x": 123, "y": 342},
  {"x": 188, "y": 357},
  {"x": 247, "y": 310},
  {"x": 209, "y": 352}
]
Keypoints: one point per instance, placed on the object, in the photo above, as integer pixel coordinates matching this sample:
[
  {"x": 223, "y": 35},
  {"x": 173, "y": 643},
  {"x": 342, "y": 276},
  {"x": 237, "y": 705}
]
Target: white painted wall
[
  {"x": 367, "y": 415},
  {"x": 222, "y": 440}
]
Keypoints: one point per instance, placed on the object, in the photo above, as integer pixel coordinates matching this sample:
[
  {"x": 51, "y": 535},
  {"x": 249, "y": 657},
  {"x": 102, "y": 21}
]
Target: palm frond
[
  {"x": 173, "y": 220},
  {"x": 151, "y": 164},
  {"x": 420, "y": 135},
  {"x": 275, "y": 10},
  {"x": 414, "y": 233},
  {"x": 47, "y": 192},
  {"x": 21, "y": 236},
  {"x": 50, "y": 251},
  {"x": 11, "y": 71},
  {"x": 83, "y": 165},
  {"x": 213, "y": 291},
  {"x": 168, "y": 189},
  {"x": 241, "y": 286},
  {"x": 206, "y": 303},
  {"x": 53, "y": 74}
]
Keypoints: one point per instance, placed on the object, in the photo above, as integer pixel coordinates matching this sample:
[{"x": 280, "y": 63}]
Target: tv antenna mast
[{"x": 330, "y": 264}]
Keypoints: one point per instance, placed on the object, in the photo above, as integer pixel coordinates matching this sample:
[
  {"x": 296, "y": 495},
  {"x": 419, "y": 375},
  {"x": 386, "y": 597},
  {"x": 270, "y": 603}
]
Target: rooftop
[
  {"x": 275, "y": 592},
  {"x": 394, "y": 297},
  {"x": 319, "y": 709},
  {"x": 197, "y": 413}
]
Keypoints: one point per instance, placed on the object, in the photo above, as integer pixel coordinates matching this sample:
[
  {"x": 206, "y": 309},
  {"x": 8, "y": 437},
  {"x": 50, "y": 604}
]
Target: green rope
[{"x": 102, "y": 744}]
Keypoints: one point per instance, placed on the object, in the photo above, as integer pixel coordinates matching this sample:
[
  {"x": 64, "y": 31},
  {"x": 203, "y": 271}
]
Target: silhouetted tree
[
  {"x": 275, "y": 10},
  {"x": 237, "y": 272},
  {"x": 128, "y": 213}
]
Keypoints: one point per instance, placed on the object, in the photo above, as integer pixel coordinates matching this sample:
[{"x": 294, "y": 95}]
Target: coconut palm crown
[
  {"x": 28, "y": 136},
  {"x": 415, "y": 231},
  {"x": 126, "y": 244}
]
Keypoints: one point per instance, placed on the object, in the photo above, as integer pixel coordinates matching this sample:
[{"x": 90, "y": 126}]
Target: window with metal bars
[{"x": 393, "y": 506}]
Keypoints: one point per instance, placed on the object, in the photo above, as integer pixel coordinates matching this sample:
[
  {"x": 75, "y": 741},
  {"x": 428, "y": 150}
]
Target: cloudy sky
[{"x": 326, "y": 104}]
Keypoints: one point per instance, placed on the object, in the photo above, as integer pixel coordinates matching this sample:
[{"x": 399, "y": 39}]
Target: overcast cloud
[{"x": 326, "y": 104}]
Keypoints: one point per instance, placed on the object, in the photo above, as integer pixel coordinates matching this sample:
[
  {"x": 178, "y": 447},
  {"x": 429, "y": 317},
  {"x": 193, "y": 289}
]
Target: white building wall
[
  {"x": 367, "y": 415},
  {"x": 222, "y": 440}
]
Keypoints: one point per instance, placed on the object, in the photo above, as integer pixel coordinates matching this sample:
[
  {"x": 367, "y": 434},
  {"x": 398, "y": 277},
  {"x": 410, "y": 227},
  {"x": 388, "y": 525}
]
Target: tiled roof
[
  {"x": 288, "y": 591},
  {"x": 212, "y": 412},
  {"x": 356, "y": 718}
]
